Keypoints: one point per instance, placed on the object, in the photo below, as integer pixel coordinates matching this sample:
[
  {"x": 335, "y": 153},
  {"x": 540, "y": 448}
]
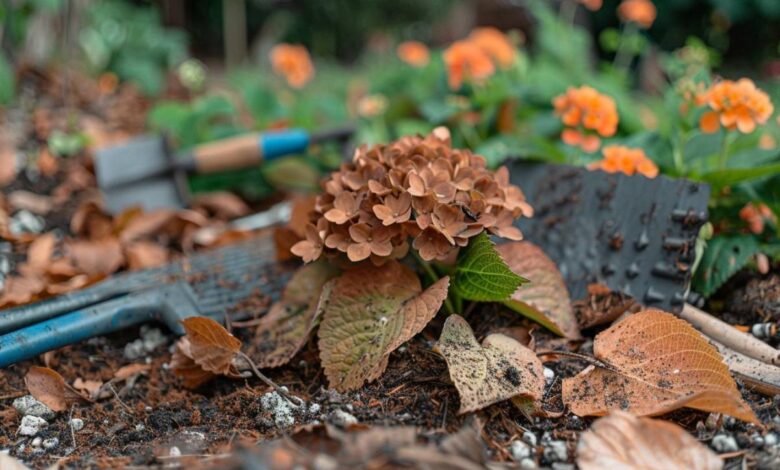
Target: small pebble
[
  {"x": 314, "y": 408},
  {"x": 25, "y": 221},
  {"x": 342, "y": 418},
  {"x": 556, "y": 451},
  {"x": 520, "y": 450},
  {"x": 549, "y": 375},
  {"x": 36, "y": 442},
  {"x": 174, "y": 452},
  {"x": 31, "y": 425},
  {"x": 724, "y": 443},
  {"x": 29, "y": 406},
  {"x": 530, "y": 438},
  {"x": 51, "y": 443},
  {"x": 77, "y": 424},
  {"x": 281, "y": 409},
  {"x": 528, "y": 464},
  {"x": 770, "y": 440}
]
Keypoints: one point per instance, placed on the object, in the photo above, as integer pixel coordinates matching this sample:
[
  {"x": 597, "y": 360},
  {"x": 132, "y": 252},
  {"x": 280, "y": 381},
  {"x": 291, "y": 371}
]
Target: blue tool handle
[
  {"x": 168, "y": 304},
  {"x": 280, "y": 143},
  {"x": 18, "y": 317}
]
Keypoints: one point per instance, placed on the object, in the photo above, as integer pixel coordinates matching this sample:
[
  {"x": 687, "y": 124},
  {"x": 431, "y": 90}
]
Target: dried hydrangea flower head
[{"x": 416, "y": 187}]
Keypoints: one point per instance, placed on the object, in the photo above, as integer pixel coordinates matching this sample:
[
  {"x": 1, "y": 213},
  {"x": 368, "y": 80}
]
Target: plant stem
[
  {"x": 583, "y": 357},
  {"x": 434, "y": 277},
  {"x": 724, "y": 150},
  {"x": 623, "y": 56},
  {"x": 294, "y": 400},
  {"x": 677, "y": 153}
]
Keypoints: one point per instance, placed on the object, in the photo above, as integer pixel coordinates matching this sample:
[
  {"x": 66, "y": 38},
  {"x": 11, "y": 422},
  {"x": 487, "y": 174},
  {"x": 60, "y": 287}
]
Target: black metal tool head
[{"x": 635, "y": 235}]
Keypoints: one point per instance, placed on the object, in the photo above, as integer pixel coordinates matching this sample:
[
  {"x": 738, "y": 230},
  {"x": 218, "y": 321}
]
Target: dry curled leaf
[
  {"x": 130, "y": 370},
  {"x": 206, "y": 350},
  {"x": 289, "y": 322},
  {"x": 144, "y": 254},
  {"x": 39, "y": 254},
  {"x": 371, "y": 311},
  {"x": 97, "y": 257},
  {"x": 29, "y": 201},
  {"x": 223, "y": 204},
  {"x": 49, "y": 388},
  {"x": 499, "y": 369},
  {"x": 545, "y": 299},
  {"x": 623, "y": 441},
  {"x": 661, "y": 364}
]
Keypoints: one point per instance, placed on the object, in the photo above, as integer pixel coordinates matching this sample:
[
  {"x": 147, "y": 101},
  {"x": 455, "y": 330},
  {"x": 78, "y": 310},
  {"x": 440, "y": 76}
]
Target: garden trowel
[
  {"x": 634, "y": 234},
  {"x": 146, "y": 172}
]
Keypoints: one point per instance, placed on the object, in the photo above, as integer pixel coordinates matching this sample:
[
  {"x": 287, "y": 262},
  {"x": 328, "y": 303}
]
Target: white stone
[
  {"x": 281, "y": 409},
  {"x": 152, "y": 338},
  {"x": 530, "y": 438},
  {"x": 528, "y": 464},
  {"x": 51, "y": 443},
  {"x": 31, "y": 425},
  {"x": 174, "y": 452},
  {"x": 556, "y": 451},
  {"x": 29, "y": 406},
  {"x": 36, "y": 442},
  {"x": 140, "y": 427},
  {"x": 549, "y": 375},
  {"x": 724, "y": 443},
  {"x": 520, "y": 450},
  {"x": 770, "y": 440},
  {"x": 342, "y": 418},
  {"x": 77, "y": 424},
  {"x": 314, "y": 408}
]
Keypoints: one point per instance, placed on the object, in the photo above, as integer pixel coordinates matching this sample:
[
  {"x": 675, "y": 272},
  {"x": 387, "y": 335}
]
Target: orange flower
[
  {"x": 592, "y": 5},
  {"x": 293, "y": 63},
  {"x": 495, "y": 44},
  {"x": 641, "y": 12},
  {"x": 466, "y": 61},
  {"x": 587, "y": 114},
  {"x": 414, "y": 53},
  {"x": 756, "y": 215},
  {"x": 735, "y": 105},
  {"x": 627, "y": 160}
]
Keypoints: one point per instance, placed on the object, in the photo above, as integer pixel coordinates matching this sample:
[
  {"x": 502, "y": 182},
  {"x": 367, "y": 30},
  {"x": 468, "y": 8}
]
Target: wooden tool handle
[{"x": 234, "y": 153}]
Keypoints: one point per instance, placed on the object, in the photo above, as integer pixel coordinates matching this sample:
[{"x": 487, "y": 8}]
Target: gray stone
[
  {"x": 529, "y": 464},
  {"x": 51, "y": 443},
  {"x": 530, "y": 438},
  {"x": 31, "y": 425},
  {"x": 520, "y": 450},
  {"x": 281, "y": 409},
  {"x": 556, "y": 451},
  {"x": 724, "y": 443},
  {"x": 77, "y": 424},
  {"x": 770, "y": 440},
  {"x": 563, "y": 466},
  {"x": 342, "y": 418},
  {"x": 25, "y": 221},
  {"x": 29, "y": 406},
  {"x": 36, "y": 442}
]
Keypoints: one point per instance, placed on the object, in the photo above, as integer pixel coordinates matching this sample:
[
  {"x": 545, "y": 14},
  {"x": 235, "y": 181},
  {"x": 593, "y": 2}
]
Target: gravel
[
  {"x": 77, "y": 424},
  {"x": 342, "y": 418},
  {"x": 280, "y": 409},
  {"x": 51, "y": 443},
  {"x": 31, "y": 425},
  {"x": 29, "y": 406},
  {"x": 151, "y": 339},
  {"x": 520, "y": 450},
  {"x": 556, "y": 451},
  {"x": 724, "y": 443}
]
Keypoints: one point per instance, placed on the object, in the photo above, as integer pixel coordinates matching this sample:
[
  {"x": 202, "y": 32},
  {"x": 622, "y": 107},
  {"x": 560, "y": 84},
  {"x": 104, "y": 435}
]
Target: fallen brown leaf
[
  {"x": 289, "y": 322},
  {"x": 545, "y": 299},
  {"x": 91, "y": 387},
  {"x": 29, "y": 201},
  {"x": 8, "y": 165},
  {"x": 49, "y": 388},
  {"x": 621, "y": 440},
  {"x": 662, "y": 363},
  {"x": 20, "y": 290},
  {"x": 96, "y": 257},
  {"x": 47, "y": 163},
  {"x": 125, "y": 372},
  {"x": 39, "y": 254},
  {"x": 602, "y": 306},
  {"x": 145, "y": 254},
  {"x": 206, "y": 350},
  {"x": 499, "y": 369},
  {"x": 145, "y": 225},
  {"x": 370, "y": 312},
  {"x": 90, "y": 221},
  {"x": 223, "y": 204}
]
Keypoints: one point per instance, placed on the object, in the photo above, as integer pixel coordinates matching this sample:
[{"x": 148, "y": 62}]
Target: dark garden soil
[{"x": 152, "y": 420}]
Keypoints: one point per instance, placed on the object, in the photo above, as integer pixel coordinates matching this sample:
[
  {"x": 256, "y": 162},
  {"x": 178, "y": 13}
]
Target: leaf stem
[
  {"x": 623, "y": 56},
  {"x": 584, "y": 357},
  {"x": 281, "y": 391},
  {"x": 723, "y": 156}
]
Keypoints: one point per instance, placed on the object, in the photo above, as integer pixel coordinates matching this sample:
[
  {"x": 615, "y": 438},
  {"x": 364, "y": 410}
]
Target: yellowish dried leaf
[
  {"x": 623, "y": 441},
  {"x": 545, "y": 299},
  {"x": 499, "y": 369},
  {"x": 49, "y": 388},
  {"x": 289, "y": 322},
  {"x": 371, "y": 311},
  {"x": 661, "y": 364}
]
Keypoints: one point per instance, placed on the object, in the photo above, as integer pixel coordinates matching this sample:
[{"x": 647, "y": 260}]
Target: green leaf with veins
[
  {"x": 722, "y": 259},
  {"x": 482, "y": 275}
]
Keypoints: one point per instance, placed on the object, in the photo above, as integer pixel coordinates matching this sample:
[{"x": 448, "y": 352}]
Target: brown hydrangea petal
[
  {"x": 424, "y": 205},
  {"x": 444, "y": 192},
  {"x": 378, "y": 188},
  {"x": 417, "y": 185},
  {"x": 395, "y": 209},
  {"x": 345, "y": 207},
  {"x": 358, "y": 251},
  {"x": 431, "y": 245},
  {"x": 311, "y": 248}
]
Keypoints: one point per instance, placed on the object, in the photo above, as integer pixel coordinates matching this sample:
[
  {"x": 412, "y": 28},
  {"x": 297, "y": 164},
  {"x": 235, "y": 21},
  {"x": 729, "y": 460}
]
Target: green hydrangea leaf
[
  {"x": 723, "y": 257},
  {"x": 482, "y": 275}
]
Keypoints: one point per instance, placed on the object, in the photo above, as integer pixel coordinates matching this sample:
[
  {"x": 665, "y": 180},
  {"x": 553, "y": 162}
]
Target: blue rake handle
[{"x": 169, "y": 304}]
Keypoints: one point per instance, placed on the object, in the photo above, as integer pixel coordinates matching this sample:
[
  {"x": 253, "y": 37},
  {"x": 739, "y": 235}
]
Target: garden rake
[{"x": 225, "y": 284}]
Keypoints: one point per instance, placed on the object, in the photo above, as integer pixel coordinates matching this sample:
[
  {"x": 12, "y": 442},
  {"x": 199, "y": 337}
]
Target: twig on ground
[
  {"x": 582, "y": 357},
  {"x": 764, "y": 378},
  {"x": 294, "y": 400},
  {"x": 729, "y": 336}
]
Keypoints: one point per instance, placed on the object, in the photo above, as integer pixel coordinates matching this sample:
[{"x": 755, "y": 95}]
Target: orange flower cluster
[
  {"x": 630, "y": 161},
  {"x": 414, "y": 53},
  {"x": 755, "y": 216},
  {"x": 641, "y": 12},
  {"x": 415, "y": 187},
  {"x": 587, "y": 114},
  {"x": 293, "y": 63},
  {"x": 735, "y": 105},
  {"x": 592, "y": 5},
  {"x": 475, "y": 58}
]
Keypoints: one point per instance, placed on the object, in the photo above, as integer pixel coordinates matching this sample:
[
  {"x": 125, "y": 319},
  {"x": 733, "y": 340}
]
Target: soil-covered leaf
[
  {"x": 49, "y": 388},
  {"x": 723, "y": 257},
  {"x": 371, "y": 311},
  {"x": 499, "y": 369},
  {"x": 545, "y": 299},
  {"x": 482, "y": 275},
  {"x": 661, "y": 364},
  {"x": 621, "y": 440},
  {"x": 206, "y": 350},
  {"x": 289, "y": 322}
]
